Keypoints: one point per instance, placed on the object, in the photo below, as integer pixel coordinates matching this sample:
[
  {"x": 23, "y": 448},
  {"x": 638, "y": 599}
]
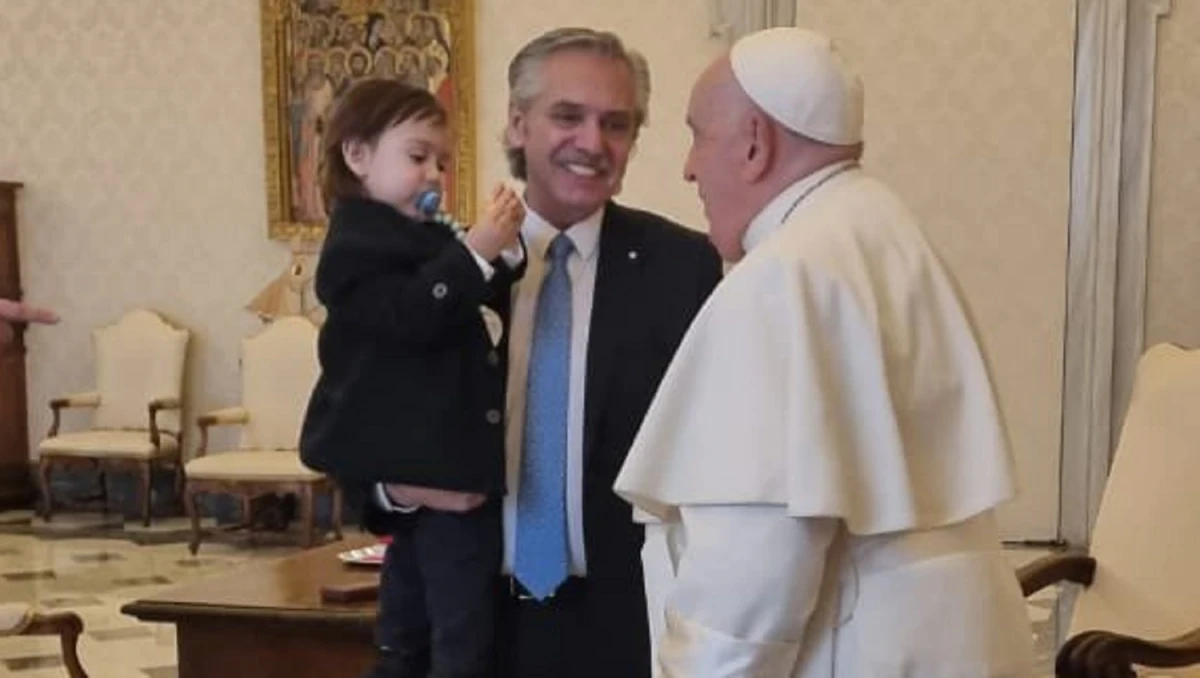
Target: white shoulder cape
[{"x": 833, "y": 371}]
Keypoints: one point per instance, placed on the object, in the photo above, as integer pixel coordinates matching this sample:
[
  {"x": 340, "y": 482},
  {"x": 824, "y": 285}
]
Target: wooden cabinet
[{"x": 16, "y": 489}]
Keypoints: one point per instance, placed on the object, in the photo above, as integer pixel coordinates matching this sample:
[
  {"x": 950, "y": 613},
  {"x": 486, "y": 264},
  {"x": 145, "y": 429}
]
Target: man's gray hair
[{"x": 524, "y": 83}]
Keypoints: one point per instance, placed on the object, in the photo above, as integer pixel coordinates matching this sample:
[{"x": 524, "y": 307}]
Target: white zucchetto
[{"x": 800, "y": 79}]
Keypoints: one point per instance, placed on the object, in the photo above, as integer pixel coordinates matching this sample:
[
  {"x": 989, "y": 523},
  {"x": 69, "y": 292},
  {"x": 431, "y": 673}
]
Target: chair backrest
[
  {"x": 279, "y": 369},
  {"x": 139, "y": 358},
  {"x": 1145, "y": 539}
]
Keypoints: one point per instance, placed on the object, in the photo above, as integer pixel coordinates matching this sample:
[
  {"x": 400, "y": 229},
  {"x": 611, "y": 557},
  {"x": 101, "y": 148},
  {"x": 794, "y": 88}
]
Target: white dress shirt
[{"x": 581, "y": 268}]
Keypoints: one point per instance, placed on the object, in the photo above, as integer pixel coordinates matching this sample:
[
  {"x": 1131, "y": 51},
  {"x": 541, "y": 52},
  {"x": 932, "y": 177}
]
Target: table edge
[{"x": 175, "y": 612}]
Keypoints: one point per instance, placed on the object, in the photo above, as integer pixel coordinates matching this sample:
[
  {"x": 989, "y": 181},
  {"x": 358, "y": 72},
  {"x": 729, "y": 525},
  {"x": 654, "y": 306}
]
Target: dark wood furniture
[
  {"x": 268, "y": 619},
  {"x": 1103, "y": 654},
  {"x": 68, "y": 626},
  {"x": 16, "y": 486}
]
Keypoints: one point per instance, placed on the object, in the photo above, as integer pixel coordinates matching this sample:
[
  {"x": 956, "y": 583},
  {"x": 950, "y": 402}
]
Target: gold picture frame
[{"x": 312, "y": 49}]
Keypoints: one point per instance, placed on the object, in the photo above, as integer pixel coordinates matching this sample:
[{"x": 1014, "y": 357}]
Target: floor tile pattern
[{"x": 95, "y": 564}]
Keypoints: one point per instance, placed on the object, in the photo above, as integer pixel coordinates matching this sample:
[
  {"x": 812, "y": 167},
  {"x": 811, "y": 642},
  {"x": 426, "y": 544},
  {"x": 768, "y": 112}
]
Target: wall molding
[
  {"x": 1137, "y": 152},
  {"x": 729, "y": 20},
  {"x": 1115, "y": 48}
]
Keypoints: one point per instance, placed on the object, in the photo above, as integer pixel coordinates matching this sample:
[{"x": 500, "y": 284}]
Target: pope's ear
[{"x": 758, "y": 144}]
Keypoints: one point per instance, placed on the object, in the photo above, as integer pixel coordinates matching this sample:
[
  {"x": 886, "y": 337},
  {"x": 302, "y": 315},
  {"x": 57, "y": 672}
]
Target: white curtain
[{"x": 1115, "y": 48}]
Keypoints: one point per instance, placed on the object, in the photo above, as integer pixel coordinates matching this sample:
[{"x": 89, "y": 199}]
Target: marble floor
[{"x": 93, "y": 566}]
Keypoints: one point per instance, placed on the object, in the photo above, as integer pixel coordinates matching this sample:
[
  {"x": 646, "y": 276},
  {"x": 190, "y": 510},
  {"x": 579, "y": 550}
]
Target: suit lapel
[{"x": 614, "y": 310}]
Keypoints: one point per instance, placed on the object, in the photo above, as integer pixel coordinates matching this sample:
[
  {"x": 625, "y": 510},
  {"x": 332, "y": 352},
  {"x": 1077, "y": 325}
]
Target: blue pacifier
[{"x": 428, "y": 202}]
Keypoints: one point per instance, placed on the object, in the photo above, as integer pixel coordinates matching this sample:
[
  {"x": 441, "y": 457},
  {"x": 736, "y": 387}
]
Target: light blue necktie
[{"x": 541, "y": 548}]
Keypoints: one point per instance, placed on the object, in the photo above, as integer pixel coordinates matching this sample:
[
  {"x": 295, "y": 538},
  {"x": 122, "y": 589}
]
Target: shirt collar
[
  {"x": 584, "y": 235},
  {"x": 771, "y": 217}
]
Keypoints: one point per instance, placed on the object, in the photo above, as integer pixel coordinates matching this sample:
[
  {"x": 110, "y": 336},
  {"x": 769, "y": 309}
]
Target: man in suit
[{"x": 608, "y": 294}]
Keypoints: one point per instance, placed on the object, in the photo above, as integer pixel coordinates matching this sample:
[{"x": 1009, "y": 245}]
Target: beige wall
[
  {"x": 969, "y": 117},
  {"x": 136, "y": 126},
  {"x": 1173, "y": 265}
]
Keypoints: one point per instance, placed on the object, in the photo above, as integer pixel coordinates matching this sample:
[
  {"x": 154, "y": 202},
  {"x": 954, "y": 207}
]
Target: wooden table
[{"x": 267, "y": 619}]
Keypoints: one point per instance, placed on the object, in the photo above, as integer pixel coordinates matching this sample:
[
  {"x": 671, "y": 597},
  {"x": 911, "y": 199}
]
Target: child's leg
[
  {"x": 402, "y": 629},
  {"x": 459, "y": 555}
]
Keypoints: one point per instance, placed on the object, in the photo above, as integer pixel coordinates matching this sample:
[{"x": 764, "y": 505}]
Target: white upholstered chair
[
  {"x": 279, "y": 369},
  {"x": 136, "y": 406},
  {"x": 1141, "y": 604}
]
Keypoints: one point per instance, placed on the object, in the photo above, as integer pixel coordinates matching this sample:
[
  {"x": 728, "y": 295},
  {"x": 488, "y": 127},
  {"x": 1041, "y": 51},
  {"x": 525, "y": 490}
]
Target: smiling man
[{"x": 608, "y": 293}]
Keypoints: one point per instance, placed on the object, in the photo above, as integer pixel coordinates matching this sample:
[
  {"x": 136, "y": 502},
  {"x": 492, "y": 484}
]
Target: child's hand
[
  {"x": 439, "y": 500},
  {"x": 500, "y": 226}
]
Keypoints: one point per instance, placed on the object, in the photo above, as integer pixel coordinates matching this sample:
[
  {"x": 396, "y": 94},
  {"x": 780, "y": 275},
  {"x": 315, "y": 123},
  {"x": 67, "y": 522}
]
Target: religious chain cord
[
  {"x": 429, "y": 203},
  {"x": 451, "y": 223},
  {"x": 805, "y": 194}
]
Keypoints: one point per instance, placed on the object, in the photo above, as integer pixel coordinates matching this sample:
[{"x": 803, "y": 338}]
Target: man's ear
[
  {"x": 514, "y": 132},
  {"x": 357, "y": 154},
  {"x": 758, "y": 137}
]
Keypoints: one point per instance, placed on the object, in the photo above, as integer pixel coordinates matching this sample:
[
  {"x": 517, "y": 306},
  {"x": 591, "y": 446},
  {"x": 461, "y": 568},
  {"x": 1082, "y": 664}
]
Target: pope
[{"x": 822, "y": 462}]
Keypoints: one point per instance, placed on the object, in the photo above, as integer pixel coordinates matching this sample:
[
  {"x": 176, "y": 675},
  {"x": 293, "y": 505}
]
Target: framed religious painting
[{"x": 313, "y": 50}]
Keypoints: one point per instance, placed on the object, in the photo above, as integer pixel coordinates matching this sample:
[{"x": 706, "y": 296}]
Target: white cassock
[{"x": 824, "y": 456}]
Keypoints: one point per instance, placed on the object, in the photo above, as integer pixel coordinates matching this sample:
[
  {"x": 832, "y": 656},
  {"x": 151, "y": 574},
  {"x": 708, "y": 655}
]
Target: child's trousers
[{"x": 437, "y": 596}]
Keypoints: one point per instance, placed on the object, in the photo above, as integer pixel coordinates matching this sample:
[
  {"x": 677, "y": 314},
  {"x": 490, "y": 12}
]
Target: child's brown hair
[{"x": 368, "y": 109}]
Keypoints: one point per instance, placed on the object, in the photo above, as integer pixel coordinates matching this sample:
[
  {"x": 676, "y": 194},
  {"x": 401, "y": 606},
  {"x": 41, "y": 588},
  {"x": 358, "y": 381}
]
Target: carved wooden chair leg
[
  {"x": 307, "y": 515},
  {"x": 44, "y": 464},
  {"x": 68, "y": 626},
  {"x": 145, "y": 472},
  {"x": 248, "y": 512},
  {"x": 335, "y": 500},
  {"x": 101, "y": 487},
  {"x": 180, "y": 485},
  {"x": 191, "y": 502}
]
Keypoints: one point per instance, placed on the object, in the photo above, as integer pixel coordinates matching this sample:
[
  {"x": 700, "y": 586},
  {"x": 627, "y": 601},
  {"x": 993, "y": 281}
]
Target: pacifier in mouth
[{"x": 428, "y": 202}]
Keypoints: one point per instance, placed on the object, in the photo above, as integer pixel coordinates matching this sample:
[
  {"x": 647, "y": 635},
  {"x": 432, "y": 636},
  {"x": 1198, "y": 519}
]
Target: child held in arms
[{"x": 410, "y": 399}]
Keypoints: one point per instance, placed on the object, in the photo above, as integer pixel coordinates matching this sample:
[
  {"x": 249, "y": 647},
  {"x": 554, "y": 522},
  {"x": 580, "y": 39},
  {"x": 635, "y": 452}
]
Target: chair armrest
[
  {"x": 230, "y": 416},
  {"x": 90, "y": 399},
  {"x": 165, "y": 404},
  {"x": 1102, "y": 653},
  {"x": 1078, "y": 568},
  {"x": 156, "y": 406},
  {"x": 68, "y": 626}
]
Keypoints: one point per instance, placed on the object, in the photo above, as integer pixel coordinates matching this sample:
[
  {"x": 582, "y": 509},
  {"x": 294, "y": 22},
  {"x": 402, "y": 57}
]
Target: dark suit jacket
[
  {"x": 652, "y": 277},
  {"x": 411, "y": 387}
]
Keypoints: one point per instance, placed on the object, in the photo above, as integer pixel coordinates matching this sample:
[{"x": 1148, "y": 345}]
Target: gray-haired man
[{"x": 606, "y": 298}]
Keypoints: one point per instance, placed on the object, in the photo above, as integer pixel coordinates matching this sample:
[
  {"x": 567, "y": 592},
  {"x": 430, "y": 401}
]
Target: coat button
[
  {"x": 440, "y": 290},
  {"x": 493, "y": 358},
  {"x": 493, "y": 416}
]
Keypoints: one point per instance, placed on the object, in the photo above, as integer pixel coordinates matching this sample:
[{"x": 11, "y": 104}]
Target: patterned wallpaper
[
  {"x": 969, "y": 118},
  {"x": 136, "y": 126},
  {"x": 1173, "y": 265}
]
